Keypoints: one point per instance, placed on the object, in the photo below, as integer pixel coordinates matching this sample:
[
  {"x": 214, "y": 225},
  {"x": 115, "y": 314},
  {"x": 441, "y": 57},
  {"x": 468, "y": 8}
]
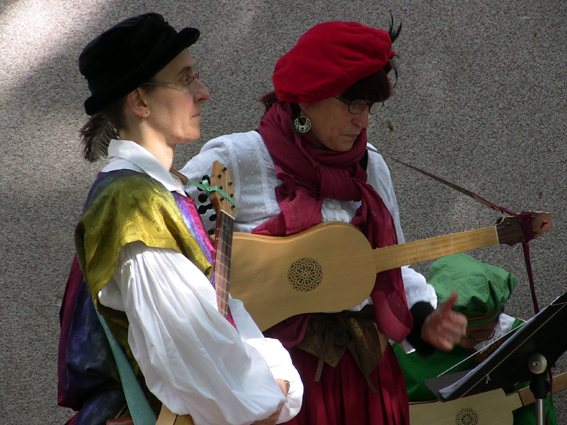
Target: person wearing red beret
[{"x": 308, "y": 163}]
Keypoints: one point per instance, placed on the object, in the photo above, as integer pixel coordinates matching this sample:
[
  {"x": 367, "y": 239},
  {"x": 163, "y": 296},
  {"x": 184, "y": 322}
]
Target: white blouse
[
  {"x": 253, "y": 174},
  {"x": 192, "y": 358}
]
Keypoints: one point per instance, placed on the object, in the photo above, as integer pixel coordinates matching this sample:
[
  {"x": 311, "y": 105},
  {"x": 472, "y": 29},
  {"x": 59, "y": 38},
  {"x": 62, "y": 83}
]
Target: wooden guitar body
[
  {"x": 332, "y": 267},
  {"x": 489, "y": 408},
  {"x": 323, "y": 269}
]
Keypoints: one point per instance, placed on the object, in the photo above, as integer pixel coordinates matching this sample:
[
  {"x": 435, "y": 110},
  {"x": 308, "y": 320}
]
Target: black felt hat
[{"x": 128, "y": 55}]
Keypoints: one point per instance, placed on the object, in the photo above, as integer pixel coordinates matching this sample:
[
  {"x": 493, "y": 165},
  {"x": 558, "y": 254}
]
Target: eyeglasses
[
  {"x": 187, "y": 80},
  {"x": 357, "y": 106}
]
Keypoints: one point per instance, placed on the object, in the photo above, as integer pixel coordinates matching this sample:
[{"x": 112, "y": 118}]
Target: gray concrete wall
[{"x": 481, "y": 101}]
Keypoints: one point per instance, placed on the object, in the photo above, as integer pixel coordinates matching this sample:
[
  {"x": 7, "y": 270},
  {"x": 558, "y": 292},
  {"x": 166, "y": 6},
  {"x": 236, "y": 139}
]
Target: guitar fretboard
[
  {"x": 223, "y": 253},
  {"x": 428, "y": 249}
]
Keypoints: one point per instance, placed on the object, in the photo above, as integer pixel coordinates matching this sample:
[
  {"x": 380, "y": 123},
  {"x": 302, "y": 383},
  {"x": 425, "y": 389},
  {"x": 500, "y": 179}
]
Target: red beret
[{"x": 328, "y": 59}]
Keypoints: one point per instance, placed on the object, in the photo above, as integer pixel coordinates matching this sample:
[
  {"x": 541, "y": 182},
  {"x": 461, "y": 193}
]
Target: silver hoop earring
[{"x": 302, "y": 125}]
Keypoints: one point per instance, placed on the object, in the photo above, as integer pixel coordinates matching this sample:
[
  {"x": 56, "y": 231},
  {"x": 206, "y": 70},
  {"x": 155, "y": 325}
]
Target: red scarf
[{"x": 309, "y": 176}]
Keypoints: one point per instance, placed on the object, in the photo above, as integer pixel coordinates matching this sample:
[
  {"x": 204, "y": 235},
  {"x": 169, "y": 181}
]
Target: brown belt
[{"x": 328, "y": 336}]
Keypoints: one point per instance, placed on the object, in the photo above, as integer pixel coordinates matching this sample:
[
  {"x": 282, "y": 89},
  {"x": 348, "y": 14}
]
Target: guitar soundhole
[
  {"x": 467, "y": 417},
  {"x": 305, "y": 274}
]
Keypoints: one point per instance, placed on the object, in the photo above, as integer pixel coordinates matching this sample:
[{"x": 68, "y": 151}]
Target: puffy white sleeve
[
  {"x": 192, "y": 358},
  {"x": 276, "y": 356},
  {"x": 252, "y": 170}
]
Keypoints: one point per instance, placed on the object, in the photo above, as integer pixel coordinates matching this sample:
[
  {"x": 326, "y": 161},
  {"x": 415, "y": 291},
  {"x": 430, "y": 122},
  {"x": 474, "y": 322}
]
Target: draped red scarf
[{"x": 309, "y": 176}]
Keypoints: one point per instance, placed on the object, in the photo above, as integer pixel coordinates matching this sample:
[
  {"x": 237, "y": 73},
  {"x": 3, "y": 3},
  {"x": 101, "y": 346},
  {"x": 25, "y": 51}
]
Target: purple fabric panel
[{"x": 193, "y": 222}]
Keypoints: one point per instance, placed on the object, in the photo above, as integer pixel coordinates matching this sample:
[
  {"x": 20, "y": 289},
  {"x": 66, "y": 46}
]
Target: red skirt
[{"x": 342, "y": 396}]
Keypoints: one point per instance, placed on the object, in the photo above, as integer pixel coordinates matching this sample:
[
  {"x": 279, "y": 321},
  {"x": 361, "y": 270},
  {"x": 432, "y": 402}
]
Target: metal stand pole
[{"x": 539, "y": 385}]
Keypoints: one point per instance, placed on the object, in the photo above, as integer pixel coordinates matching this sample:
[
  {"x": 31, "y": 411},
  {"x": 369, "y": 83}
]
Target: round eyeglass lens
[
  {"x": 374, "y": 108},
  {"x": 357, "y": 106}
]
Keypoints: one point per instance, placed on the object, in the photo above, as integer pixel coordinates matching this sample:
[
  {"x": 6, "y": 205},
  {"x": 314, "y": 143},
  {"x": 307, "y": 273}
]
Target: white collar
[
  {"x": 503, "y": 326},
  {"x": 126, "y": 154}
]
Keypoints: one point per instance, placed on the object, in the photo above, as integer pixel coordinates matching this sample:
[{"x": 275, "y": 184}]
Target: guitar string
[
  {"x": 222, "y": 261},
  {"x": 482, "y": 350},
  {"x": 458, "y": 383}
]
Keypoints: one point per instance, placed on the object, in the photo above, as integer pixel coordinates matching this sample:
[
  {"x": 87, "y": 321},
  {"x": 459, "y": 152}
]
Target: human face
[
  {"x": 333, "y": 127},
  {"x": 175, "y": 109},
  {"x": 477, "y": 334}
]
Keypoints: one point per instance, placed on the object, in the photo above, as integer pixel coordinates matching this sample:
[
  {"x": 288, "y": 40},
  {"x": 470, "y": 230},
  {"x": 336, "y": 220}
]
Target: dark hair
[
  {"x": 103, "y": 127},
  {"x": 377, "y": 87},
  {"x": 100, "y": 129}
]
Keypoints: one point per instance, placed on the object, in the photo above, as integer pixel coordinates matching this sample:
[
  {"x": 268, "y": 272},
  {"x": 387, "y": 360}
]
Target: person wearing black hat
[
  {"x": 310, "y": 162},
  {"x": 145, "y": 259}
]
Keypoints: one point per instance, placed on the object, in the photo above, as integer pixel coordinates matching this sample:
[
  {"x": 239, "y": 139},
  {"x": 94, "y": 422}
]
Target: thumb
[{"x": 448, "y": 305}]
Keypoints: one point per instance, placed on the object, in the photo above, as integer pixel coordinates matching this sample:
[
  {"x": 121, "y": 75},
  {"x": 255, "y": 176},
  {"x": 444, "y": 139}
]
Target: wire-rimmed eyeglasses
[
  {"x": 187, "y": 80},
  {"x": 359, "y": 105}
]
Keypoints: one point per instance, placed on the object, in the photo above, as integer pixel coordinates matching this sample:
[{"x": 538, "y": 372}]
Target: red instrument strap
[{"x": 524, "y": 219}]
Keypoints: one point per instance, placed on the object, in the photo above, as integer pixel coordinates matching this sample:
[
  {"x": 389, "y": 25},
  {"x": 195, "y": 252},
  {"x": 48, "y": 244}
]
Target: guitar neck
[
  {"x": 395, "y": 256},
  {"x": 559, "y": 384},
  {"x": 223, "y": 255}
]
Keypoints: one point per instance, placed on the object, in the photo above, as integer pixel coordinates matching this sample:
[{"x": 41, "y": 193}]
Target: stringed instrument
[
  {"x": 488, "y": 408},
  {"x": 332, "y": 267},
  {"x": 220, "y": 177}
]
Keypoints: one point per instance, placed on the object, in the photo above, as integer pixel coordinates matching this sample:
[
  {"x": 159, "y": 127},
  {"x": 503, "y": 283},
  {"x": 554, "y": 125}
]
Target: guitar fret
[
  {"x": 222, "y": 291},
  {"x": 224, "y": 255}
]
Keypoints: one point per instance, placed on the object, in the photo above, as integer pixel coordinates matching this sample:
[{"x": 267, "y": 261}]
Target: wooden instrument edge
[{"x": 491, "y": 407}]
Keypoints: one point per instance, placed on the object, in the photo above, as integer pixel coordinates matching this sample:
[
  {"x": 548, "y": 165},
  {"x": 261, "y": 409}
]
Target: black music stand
[{"x": 524, "y": 356}]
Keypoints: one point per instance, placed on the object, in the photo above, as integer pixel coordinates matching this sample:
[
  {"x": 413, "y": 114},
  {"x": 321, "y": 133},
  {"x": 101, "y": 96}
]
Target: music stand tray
[{"x": 544, "y": 334}]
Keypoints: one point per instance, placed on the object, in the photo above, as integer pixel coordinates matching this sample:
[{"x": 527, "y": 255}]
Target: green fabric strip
[
  {"x": 208, "y": 189},
  {"x": 142, "y": 413}
]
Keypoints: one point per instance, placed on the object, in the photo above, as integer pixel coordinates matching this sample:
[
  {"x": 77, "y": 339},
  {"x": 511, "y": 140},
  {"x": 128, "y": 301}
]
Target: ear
[{"x": 138, "y": 103}]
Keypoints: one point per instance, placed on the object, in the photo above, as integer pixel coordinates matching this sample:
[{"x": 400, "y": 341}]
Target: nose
[
  {"x": 202, "y": 93},
  {"x": 361, "y": 119}
]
